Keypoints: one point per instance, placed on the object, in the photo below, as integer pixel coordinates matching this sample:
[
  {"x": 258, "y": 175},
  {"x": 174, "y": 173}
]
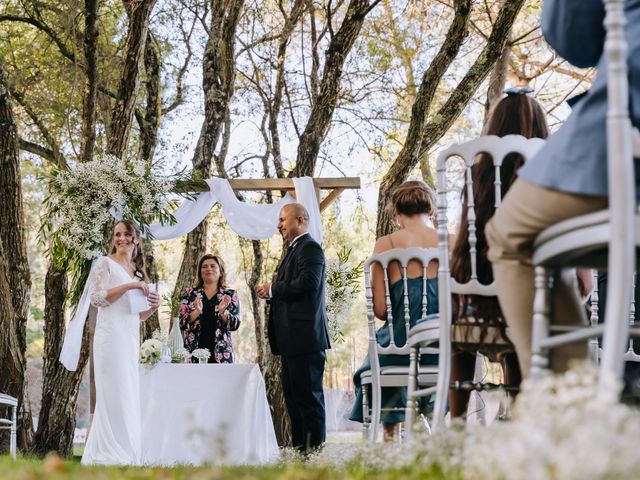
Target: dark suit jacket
[{"x": 297, "y": 318}]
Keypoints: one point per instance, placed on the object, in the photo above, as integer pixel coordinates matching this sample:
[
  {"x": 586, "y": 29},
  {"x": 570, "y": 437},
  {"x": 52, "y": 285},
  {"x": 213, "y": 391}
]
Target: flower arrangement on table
[
  {"x": 201, "y": 354},
  {"x": 156, "y": 350},
  {"x": 343, "y": 285},
  {"x": 82, "y": 202},
  {"x": 151, "y": 351}
]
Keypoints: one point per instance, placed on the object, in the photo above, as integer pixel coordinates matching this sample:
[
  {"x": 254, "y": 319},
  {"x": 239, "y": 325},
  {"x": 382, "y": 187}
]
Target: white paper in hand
[{"x": 137, "y": 301}]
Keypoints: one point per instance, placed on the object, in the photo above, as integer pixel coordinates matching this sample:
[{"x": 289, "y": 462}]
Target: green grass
[{"x": 53, "y": 468}]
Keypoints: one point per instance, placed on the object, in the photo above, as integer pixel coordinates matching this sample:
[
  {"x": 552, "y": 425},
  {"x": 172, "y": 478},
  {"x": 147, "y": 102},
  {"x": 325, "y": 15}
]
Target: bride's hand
[
  {"x": 154, "y": 300},
  {"x": 142, "y": 286}
]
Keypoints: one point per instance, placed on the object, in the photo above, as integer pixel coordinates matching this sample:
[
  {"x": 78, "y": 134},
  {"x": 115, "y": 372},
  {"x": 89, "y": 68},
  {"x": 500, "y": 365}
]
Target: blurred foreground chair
[
  {"x": 606, "y": 239},
  {"x": 11, "y": 424},
  {"x": 440, "y": 330},
  {"x": 397, "y": 375}
]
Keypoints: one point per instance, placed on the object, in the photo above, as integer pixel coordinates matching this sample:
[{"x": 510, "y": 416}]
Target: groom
[{"x": 298, "y": 327}]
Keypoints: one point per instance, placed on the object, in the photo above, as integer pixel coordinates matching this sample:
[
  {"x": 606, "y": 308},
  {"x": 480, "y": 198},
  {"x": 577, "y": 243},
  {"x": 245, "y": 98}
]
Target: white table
[{"x": 198, "y": 414}]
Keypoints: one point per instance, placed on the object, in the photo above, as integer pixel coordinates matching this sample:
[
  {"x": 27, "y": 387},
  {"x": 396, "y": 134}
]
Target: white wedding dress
[{"x": 115, "y": 433}]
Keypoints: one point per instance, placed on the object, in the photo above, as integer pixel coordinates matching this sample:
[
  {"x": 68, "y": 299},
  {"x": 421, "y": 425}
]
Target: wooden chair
[
  {"x": 379, "y": 376},
  {"x": 607, "y": 239},
  {"x": 440, "y": 330},
  {"x": 11, "y": 423}
]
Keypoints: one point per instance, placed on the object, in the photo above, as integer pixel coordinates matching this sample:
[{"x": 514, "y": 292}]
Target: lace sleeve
[{"x": 98, "y": 279}]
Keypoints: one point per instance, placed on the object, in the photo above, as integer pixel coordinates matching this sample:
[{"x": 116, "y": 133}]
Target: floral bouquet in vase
[
  {"x": 150, "y": 351},
  {"x": 201, "y": 354}
]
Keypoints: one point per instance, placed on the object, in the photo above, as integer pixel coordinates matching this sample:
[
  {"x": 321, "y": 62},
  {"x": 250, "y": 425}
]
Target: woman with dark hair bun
[
  {"x": 516, "y": 114},
  {"x": 413, "y": 206},
  {"x": 210, "y": 311},
  {"x": 115, "y": 434}
]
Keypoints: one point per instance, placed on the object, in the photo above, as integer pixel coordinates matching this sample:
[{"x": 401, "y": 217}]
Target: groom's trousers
[{"x": 302, "y": 384}]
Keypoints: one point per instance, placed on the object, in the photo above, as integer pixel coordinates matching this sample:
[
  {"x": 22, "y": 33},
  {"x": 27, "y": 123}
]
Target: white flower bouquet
[
  {"x": 180, "y": 355},
  {"x": 201, "y": 354},
  {"x": 150, "y": 351},
  {"x": 78, "y": 208}
]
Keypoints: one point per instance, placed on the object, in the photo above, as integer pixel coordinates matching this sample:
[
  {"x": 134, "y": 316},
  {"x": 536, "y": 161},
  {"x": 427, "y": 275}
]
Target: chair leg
[
  {"x": 12, "y": 441},
  {"x": 365, "y": 413},
  {"x": 411, "y": 388},
  {"x": 540, "y": 356},
  {"x": 376, "y": 409}
]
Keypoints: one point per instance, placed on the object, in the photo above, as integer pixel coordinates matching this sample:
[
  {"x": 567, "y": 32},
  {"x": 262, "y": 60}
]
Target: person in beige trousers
[{"x": 566, "y": 178}]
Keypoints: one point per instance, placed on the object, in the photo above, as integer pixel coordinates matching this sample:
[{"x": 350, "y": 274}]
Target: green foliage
[
  {"x": 53, "y": 468},
  {"x": 343, "y": 285}
]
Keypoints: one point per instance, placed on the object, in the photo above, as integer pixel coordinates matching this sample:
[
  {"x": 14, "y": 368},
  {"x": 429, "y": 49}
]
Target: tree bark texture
[
  {"x": 150, "y": 122},
  {"x": 269, "y": 363},
  {"x": 153, "y": 322},
  {"x": 424, "y": 138},
  {"x": 57, "y": 420},
  {"x": 218, "y": 65},
  {"x": 90, "y": 91},
  {"x": 497, "y": 82},
  {"x": 15, "y": 288},
  {"x": 274, "y": 107},
  {"x": 122, "y": 114},
  {"x": 325, "y": 103}
]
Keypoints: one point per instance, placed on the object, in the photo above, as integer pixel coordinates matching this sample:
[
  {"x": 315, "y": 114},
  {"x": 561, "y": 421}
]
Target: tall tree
[
  {"x": 218, "y": 82},
  {"x": 60, "y": 388},
  {"x": 424, "y": 131},
  {"x": 324, "y": 103},
  {"x": 138, "y": 12},
  {"x": 15, "y": 279}
]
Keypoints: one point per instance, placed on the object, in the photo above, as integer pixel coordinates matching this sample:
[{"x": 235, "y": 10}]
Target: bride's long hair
[{"x": 137, "y": 256}]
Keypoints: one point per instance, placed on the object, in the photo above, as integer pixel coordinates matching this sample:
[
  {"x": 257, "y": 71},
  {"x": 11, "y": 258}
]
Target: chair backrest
[
  {"x": 402, "y": 256},
  {"x": 498, "y": 148},
  {"x": 622, "y": 201}
]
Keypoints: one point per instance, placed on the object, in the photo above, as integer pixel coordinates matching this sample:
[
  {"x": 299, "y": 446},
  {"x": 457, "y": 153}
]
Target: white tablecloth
[{"x": 197, "y": 414}]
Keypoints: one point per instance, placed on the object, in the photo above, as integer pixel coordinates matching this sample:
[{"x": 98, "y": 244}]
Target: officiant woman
[{"x": 210, "y": 311}]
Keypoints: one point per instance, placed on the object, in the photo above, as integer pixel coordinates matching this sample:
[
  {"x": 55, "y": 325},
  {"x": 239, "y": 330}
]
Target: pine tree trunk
[
  {"x": 122, "y": 115},
  {"x": 422, "y": 134},
  {"x": 57, "y": 420},
  {"x": 153, "y": 322},
  {"x": 15, "y": 288},
  {"x": 269, "y": 363},
  {"x": 325, "y": 103},
  {"x": 218, "y": 78}
]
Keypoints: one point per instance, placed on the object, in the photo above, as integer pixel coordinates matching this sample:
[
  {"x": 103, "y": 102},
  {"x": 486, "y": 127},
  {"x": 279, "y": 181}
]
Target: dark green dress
[{"x": 394, "y": 396}]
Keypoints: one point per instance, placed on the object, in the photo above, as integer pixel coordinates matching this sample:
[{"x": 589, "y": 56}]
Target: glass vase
[{"x": 175, "y": 341}]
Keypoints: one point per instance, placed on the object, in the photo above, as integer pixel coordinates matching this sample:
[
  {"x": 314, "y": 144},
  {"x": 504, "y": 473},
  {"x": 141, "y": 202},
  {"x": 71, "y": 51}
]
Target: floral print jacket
[{"x": 191, "y": 328}]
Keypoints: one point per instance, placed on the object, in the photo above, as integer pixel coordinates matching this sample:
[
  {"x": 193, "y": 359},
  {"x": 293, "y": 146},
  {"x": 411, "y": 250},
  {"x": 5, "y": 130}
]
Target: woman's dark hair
[
  {"x": 137, "y": 255},
  {"x": 516, "y": 114},
  {"x": 412, "y": 198},
  {"x": 222, "y": 281}
]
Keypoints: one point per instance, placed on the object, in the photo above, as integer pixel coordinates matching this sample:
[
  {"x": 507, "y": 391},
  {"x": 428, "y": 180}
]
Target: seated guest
[
  {"x": 516, "y": 114},
  {"x": 413, "y": 206},
  {"x": 566, "y": 178},
  {"x": 210, "y": 311}
]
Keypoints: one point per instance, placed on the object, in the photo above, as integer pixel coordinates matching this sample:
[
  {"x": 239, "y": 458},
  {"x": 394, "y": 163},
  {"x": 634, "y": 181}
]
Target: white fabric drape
[
  {"x": 306, "y": 195},
  {"x": 70, "y": 352},
  {"x": 188, "y": 216},
  {"x": 252, "y": 221}
]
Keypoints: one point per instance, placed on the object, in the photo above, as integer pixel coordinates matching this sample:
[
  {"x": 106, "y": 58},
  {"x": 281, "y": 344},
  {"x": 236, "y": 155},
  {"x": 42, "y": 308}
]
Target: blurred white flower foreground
[{"x": 558, "y": 430}]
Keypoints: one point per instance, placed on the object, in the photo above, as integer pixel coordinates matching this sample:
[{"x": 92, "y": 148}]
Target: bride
[{"x": 115, "y": 434}]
